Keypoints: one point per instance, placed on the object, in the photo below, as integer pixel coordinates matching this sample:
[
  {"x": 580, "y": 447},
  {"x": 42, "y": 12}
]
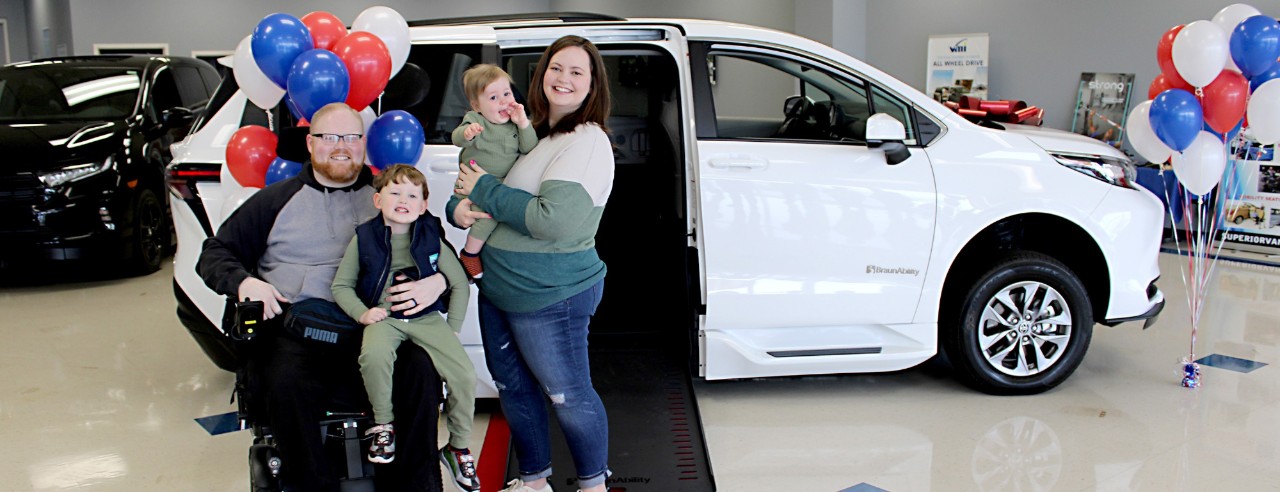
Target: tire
[
  {"x": 978, "y": 340},
  {"x": 150, "y": 235},
  {"x": 1238, "y": 219}
]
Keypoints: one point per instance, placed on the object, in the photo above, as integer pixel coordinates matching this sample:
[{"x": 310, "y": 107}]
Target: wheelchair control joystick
[{"x": 248, "y": 317}]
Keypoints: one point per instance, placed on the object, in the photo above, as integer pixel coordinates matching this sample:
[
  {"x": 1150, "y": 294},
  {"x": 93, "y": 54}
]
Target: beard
[{"x": 337, "y": 172}]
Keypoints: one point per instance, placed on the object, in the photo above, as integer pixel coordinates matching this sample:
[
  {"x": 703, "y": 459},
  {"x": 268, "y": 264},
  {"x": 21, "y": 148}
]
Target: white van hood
[{"x": 1060, "y": 141}]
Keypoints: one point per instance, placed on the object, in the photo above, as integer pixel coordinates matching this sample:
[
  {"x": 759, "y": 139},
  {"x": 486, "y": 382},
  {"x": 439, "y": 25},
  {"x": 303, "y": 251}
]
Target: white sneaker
[{"x": 518, "y": 485}]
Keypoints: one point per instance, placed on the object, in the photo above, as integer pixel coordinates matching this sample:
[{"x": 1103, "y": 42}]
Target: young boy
[
  {"x": 493, "y": 134},
  {"x": 405, "y": 244}
]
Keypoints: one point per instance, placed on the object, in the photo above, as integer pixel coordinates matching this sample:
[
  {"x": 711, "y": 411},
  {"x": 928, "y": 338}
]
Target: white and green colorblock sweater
[{"x": 548, "y": 210}]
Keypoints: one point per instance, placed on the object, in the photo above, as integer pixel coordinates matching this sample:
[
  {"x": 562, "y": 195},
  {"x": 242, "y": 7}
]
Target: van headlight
[
  {"x": 53, "y": 179},
  {"x": 1119, "y": 172}
]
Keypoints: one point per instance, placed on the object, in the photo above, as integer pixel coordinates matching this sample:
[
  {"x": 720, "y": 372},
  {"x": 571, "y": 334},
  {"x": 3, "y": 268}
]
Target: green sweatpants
[{"x": 432, "y": 333}]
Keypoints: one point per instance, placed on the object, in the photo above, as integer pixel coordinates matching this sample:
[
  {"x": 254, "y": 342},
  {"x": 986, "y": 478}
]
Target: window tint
[
  {"x": 190, "y": 86},
  {"x": 164, "y": 91},
  {"x": 765, "y": 96},
  {"x": 435, "y": 97}
]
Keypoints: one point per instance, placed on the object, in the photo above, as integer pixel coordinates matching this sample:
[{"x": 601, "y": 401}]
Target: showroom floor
[{"x": 101, "y": 386}]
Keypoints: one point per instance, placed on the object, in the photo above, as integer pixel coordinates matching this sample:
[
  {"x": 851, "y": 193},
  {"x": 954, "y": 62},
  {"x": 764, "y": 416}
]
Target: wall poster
[
  {"x": 958, "y": 66},
  {"x": 1102, "y": 103},
  {"x": 1251, "y": 212}
]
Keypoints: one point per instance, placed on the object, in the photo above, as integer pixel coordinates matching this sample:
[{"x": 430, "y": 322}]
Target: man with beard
[{"x": 282, "y": 247}]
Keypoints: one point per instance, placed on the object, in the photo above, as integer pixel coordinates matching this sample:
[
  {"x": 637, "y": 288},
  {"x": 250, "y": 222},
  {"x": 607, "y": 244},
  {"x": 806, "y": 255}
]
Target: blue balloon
[
  {"x": 1176, "y": 118},
  {"x": 1231, "y": 134},
  {"x": 1263, "y": 77},
  {"x": 280, "y": 170},
  {"x": 1255, "y": 44},
  {"x": 276, "y": 42},
  {"x": 396, "y": 137},
  {"x": 317, "y": 78},
  {"x": 293, "y": 108}
]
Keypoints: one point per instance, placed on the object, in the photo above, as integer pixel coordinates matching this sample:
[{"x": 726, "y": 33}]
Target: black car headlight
[
  {"x": 53, "y": 179},
  {"x": 1117, "y": 171}
]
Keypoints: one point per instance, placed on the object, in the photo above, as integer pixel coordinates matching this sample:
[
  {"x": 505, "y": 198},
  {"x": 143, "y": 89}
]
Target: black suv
[{"x": 86, "y": 140}]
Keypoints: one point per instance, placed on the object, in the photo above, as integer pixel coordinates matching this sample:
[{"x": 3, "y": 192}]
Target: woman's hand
[
  {"x": 468, "y": 174},
  {"x": 464, "y": 217},
  {"x": 413, "y": 297}
]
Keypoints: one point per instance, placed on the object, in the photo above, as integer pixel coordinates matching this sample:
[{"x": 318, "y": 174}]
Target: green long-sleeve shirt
[{"x": 344, "y": 282}]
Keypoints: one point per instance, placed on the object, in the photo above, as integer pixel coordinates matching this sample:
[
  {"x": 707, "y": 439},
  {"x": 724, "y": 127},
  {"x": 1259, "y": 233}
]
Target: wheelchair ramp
[{"x": 655, "y": 433}]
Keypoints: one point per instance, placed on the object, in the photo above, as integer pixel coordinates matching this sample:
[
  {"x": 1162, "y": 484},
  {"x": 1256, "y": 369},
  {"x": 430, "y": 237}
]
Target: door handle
[
  {"x": 444, "y": 166},
  {"x": 738, "y": 163}
]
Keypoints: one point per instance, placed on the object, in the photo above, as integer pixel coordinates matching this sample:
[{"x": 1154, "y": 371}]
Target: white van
[{"x": 782, "y": 208}]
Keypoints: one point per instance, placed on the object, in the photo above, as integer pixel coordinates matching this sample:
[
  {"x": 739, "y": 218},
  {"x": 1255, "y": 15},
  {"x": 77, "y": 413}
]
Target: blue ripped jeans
[{"x": 543, "y": 355}]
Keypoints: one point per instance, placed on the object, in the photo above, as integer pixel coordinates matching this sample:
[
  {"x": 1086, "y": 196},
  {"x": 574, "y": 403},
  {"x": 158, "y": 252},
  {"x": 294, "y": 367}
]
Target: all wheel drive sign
[{"x": 958, "y": 66}]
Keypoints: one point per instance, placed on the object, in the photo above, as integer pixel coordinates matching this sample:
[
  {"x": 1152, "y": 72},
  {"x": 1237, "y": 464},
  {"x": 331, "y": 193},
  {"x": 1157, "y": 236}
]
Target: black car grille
[
  {"x": 17, "y": 195},
  {"x": 20, "y": 190}
]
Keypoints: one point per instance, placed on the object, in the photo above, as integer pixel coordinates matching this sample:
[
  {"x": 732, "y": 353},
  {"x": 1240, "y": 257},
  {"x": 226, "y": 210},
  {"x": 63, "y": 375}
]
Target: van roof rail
[{"x": 536, "y": 16}]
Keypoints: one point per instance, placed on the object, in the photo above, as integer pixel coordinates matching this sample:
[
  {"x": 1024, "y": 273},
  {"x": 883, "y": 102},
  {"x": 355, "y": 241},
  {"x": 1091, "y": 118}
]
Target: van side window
[
  {"x": 765, "y": 96},
  {"x": 435, "y": 96}
]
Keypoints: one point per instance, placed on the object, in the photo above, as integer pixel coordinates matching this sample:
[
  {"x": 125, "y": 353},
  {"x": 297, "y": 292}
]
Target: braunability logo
[{"x": 892, "y": 271}]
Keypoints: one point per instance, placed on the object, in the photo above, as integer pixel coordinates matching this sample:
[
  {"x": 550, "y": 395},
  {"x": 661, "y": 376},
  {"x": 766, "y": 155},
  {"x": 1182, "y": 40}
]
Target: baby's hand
[
  {"x": 472, "y": 130},
  {"x": 516, "y": 110},
  {"x": 373, "y": 315}
]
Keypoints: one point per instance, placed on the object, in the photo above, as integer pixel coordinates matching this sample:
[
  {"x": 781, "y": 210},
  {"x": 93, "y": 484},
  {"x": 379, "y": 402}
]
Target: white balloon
[
  {"x": 1199, "y": 167},
  {"x": 1142, "y": 137},
  {"x": 1264, "y": 112},
  {"x": 261, "y": 90},
  {"x": 1200, "y": 51},
  {"x": 1233, "y": 14},
  {"x": 1228, "y": 18},
  {"x": 369, "y": 117},
  {"x": 390, "y": 26}
]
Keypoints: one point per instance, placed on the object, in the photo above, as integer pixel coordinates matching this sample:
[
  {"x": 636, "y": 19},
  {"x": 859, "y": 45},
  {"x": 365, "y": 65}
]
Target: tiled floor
[{"x": 101, "y": 385}]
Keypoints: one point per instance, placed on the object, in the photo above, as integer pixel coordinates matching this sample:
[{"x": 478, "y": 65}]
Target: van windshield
[{"x": 42, "y": 92}]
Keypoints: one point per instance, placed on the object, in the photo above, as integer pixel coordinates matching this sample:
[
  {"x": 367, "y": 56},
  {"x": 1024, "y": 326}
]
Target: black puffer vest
[{"x": 374, "y": 242}]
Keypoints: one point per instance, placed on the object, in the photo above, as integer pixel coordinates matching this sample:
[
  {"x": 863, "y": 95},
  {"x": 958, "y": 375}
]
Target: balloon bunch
[
  {"x": 1217, "y": 86},
  {"x": 313, "y": 61}
]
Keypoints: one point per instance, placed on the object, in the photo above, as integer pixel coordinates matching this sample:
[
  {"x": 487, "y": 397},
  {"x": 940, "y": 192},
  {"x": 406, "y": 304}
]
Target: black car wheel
[
  {"x": 1238, "y": 219},
  {"x": 1023, "y": 327},
  {"x": 150, "y": 233}
]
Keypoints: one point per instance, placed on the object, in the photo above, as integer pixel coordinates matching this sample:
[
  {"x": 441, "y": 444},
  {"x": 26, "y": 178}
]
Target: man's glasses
[{"x": 333, "y": 138}]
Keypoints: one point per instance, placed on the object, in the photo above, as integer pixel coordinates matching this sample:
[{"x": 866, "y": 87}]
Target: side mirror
[
  {"x": 886, "y": 133},
  {"x": 177, "y": 116}
]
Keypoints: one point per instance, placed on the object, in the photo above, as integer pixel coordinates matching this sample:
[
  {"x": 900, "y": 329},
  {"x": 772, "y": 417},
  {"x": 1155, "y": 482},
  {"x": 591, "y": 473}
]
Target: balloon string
[{"x": 271, "y": 125}]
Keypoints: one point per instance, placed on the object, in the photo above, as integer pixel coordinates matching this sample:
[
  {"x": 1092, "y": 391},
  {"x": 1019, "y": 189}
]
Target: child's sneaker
[
  {"x": 518, "y": 485},
  {"x": 462, "y": 467},
  {"x": 383, "y": 447},
  {"x": 471, "y": 263}
]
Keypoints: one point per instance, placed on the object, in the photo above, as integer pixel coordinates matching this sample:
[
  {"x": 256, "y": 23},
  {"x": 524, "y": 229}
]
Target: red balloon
[
  {"x": 250, "y": 151},
  {"x": 368, "y": 65},
  {"x": 1225, "y": 100},
  {"x": 1161, "y": 84},
  {"x": 326, "y": 29},
  {"x": 1164, "y": 57}
]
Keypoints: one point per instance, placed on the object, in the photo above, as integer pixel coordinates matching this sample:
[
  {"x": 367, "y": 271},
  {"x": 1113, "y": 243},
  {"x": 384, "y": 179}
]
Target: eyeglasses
[{"x": 333, "y": 138}]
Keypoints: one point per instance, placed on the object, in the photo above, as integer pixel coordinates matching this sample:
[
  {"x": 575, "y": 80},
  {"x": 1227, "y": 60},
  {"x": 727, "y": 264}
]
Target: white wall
[
  {"x": 1038, "y": 47},
  {"x": 189, "y": 25},
  {"x": 14, "y": 13},
  {"x": 49, "y": 29}
]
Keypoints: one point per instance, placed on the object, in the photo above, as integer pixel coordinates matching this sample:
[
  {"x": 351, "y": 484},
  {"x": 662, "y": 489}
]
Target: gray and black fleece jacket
[{"x": 291, "y": 234}]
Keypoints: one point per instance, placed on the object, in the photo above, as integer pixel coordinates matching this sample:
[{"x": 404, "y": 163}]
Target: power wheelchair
[{"x": 341, "y": 429}]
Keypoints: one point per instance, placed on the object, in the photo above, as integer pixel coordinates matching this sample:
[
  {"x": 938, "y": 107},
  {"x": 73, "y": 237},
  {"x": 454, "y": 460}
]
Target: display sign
[
  {"x": 1251, "y": 212},
  {"x": 1102, "y": 103},
  {"x": 958, "y": 66}
]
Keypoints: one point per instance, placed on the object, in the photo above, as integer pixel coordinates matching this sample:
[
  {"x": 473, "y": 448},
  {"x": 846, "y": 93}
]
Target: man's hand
[
  {"x": 472, "y": 130},
  {"x": 255, "y": 289},
  {"x": 516, "y": 111},
  {"x": 464, "y": 217},
  {"x": 413, "y": 297},
  {"x": 373, "y": 315}
]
